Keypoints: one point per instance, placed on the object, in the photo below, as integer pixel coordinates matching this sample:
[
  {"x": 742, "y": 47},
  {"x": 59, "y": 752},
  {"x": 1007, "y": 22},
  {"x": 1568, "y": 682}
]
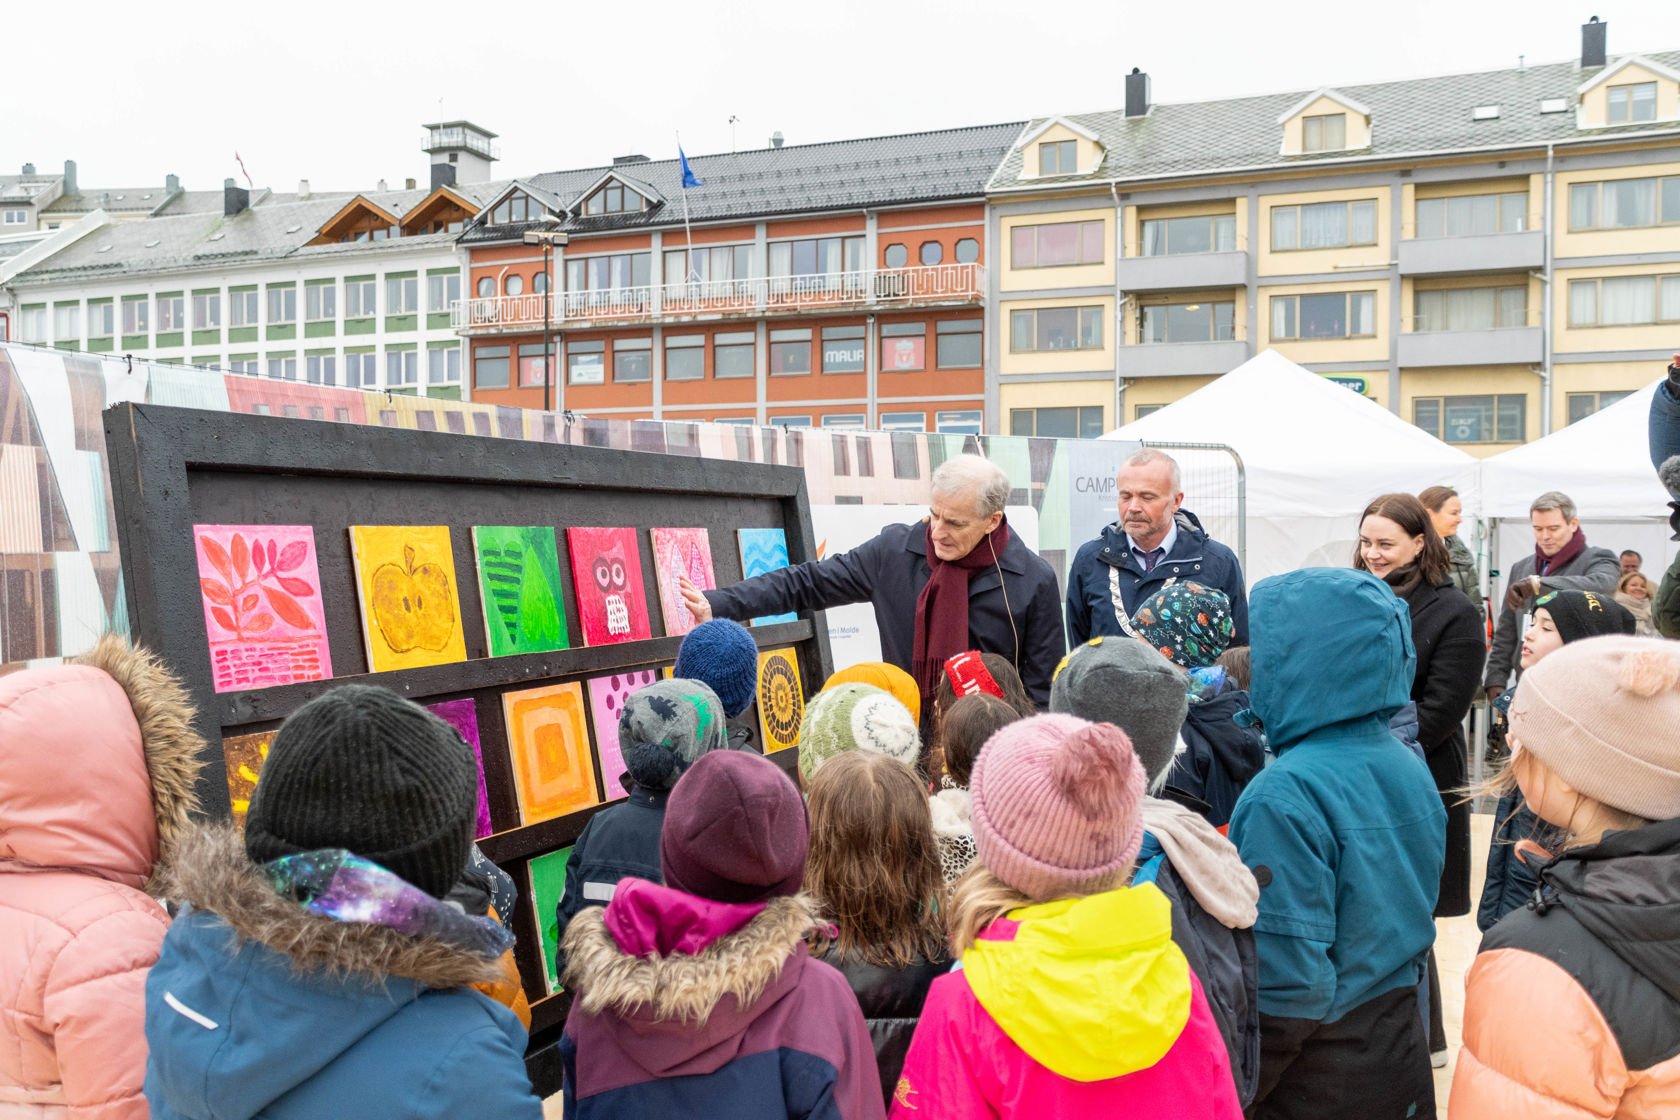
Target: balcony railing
[{"x": 710, "y": 299}]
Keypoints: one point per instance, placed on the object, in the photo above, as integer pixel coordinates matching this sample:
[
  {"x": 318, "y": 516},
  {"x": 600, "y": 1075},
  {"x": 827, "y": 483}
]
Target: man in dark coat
[
  {"x": 1153, "y": 543},
  {"x": 959, "y": 579}
]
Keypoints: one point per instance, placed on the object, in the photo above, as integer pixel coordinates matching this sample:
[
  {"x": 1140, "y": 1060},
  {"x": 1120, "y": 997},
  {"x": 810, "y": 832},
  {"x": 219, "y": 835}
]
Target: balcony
[
  {"x": 1180, "y": 359},
  {"x": 1181, "y": 272},
  {"x": 1504, "y": 346},
  {"x": 706, "y": 300},
  {"x": 1486, "y": 252}
]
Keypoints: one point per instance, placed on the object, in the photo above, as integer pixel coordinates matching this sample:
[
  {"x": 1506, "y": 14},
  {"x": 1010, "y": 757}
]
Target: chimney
[
  {"x": 303, "y": 188},
  {"x": 381, "y": 188},
  {"x": 408, "y": 184},
  {"x": 776, "y": 139},
  {"x": 443, "y": 175},
  {"x": 1593, "y": 42},
  {"x": 29, "y": 169},
  {"x": 1137, "y": 93},
  {"x": 172, "y": 184},
  {"x": 235, "y": 198},
  {"x": 620, "y": 161},
  {"x": 70, "y": 187}
]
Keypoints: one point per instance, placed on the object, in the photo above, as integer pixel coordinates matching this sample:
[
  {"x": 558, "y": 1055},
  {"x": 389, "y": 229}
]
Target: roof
[
  {"x": 1420, "y": 116},
  {"x": 799, "y": 178},
  {"x": 114, "y": 200},
  {"x": 1649, "y": 63}
]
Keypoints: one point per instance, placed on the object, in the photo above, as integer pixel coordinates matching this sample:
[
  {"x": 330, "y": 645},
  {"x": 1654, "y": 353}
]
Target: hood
[
  {"x": 953, "y": 812},
  {"x": 1091, "y": 988},
  {"x": 1626, "y": 891},
  {"x": 685, "y": 1014},
  {"x": 237, "y": 1022},
  {"x": 1236, "y": 747},
  {"x": 1330, "y": 646},
  {"x": 1206, "y": 861},
  {"x": 98, "y": 759}
]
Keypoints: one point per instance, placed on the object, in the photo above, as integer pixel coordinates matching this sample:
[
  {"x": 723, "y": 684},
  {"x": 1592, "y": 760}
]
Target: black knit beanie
[
  {"x": 1585, "y": 614},
  {"x": 365, "y": 770}
]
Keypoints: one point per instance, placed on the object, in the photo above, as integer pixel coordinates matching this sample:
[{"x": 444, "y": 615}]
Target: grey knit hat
[
  {"x": 854, "y": 716},
  {"x": 1124, "y": 682},
  {"x": 666, "y": 726}
]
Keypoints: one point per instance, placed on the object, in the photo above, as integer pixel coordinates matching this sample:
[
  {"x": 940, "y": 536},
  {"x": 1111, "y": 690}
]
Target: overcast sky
[{"x": 336, "y": 92}]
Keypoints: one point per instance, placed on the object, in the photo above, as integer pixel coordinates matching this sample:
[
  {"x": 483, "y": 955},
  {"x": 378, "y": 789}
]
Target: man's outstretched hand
[
  {"x": 695, "y": 599},
  {"x": 1518, "y": 597}
]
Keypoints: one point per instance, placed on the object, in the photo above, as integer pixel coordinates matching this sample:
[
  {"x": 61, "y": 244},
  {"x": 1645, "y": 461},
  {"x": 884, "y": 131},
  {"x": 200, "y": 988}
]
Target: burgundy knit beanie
[
  {"x": 735, "y": 830},
  {"x": 1058, "y": 806}
]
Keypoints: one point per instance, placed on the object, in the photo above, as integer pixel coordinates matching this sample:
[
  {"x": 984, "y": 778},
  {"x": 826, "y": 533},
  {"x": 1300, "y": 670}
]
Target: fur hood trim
[
  {"x": 164, "y": 713},
  {"x": 212, "y": 871},
  {"x": 684, "y": 987},
  {"x": 952, "y": 811}
]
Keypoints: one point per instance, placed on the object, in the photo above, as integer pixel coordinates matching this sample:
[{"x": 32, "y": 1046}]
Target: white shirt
[{"x": 1166, "y": 545}]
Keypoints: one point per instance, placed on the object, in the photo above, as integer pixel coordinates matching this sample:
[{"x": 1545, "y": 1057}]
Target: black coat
[
  {"x": 891, "y": 1000},
  {"x": 1451, "y": 653},
  {"x": 1014, "y": 609}
]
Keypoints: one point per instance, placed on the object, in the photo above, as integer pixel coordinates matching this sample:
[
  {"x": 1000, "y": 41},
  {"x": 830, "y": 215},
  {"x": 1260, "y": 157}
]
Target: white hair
[
  {"x": 976, "y": 475},
  {"x": 1148, "y": 455}
]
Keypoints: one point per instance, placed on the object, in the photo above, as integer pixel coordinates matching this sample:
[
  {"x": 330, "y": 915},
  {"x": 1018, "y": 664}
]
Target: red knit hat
[
  {"x": 735, "y": 830},
  {"x": 1058, "y": 806}
]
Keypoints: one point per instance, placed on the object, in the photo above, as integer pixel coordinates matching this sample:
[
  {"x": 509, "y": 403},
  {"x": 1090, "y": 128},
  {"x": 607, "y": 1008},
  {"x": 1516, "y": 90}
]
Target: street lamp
[{"x": 548, "y": 236}]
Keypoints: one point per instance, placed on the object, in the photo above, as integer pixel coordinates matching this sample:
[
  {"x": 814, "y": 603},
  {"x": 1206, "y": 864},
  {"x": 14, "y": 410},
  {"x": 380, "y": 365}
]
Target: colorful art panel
[
  {"x": 548, "y": 882},
  {"x": 519, "y": 583},
  {"x": 548, "y": 744},
  {"x": 764, "y": 550},
  {"x": 462, "y": 715},
  {"x": 411, "y": 614},
  {"x": 681, "y": 552},
  {"x": 607, "y": 575},
  {"x": 781, "y": 699},
  {"x": 606, "y": 702},
  {"x": 244, "y": 755},
  {"x": 263, "y": 615}
]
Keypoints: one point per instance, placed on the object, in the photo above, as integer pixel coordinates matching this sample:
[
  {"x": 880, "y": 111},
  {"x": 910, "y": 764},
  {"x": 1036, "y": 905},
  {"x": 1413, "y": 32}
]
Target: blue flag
[{"x": 689, "y": 178}]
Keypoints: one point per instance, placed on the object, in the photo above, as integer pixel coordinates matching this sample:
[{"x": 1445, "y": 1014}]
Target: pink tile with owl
[
  {"x": 681, "y": 552},
  {"x": 607, "y": 576}
]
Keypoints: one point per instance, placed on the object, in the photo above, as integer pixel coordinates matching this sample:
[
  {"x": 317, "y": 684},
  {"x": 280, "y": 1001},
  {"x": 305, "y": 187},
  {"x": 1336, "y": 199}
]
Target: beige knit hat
[{"x": 1604, "y": 714}]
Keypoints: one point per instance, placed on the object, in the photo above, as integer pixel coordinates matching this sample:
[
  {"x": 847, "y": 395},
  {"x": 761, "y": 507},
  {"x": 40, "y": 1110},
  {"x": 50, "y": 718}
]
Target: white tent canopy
[{"x": 1314, "y": 455}]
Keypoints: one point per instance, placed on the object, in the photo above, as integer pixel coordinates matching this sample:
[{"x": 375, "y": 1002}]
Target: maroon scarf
[
  {"x": 942, "y": 607},
  {"x": 1545, "y": 565}
]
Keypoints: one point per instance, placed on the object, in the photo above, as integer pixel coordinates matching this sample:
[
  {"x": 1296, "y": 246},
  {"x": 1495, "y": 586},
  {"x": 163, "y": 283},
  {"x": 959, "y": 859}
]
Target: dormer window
[
  {"x": 614, "y": 198},
  {"x": 1322, "y": 122},
  {"x": 516, "y": 207},
  {"x": 1058, "y": 157},
  {"x": 1326, "y": 132},
  {"x": 1633, "y": 102}
]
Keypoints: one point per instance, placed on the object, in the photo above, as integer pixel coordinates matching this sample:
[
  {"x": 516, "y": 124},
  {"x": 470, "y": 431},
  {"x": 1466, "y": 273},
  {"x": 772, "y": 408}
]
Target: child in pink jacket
[
  {"x": 1071, "y": 998},
  {"x": 97, "y": 761}
]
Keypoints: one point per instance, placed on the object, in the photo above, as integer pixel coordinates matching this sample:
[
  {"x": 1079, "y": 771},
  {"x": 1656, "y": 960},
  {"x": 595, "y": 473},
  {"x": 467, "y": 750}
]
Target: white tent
[{"x": 1314, "y": 455}]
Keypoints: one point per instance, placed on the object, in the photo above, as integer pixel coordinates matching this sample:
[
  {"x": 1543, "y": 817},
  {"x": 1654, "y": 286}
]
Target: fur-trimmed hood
[
  {"x": 212, "y": 872},
  {"x": 98, "y": 759}
]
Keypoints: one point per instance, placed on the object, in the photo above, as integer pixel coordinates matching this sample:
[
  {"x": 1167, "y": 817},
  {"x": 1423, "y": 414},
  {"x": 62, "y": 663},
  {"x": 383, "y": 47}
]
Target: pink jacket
[{"x": 97, "y": 762}]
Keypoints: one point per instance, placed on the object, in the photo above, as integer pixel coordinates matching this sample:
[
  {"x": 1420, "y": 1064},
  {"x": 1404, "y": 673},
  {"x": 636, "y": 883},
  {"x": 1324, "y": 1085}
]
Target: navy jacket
[
  {"x": 1012, "y": 609},
  {"x": 1195, "y": 557},
  {"x": 1220, "y": 756},
  {"x": 619, "y": 842}
]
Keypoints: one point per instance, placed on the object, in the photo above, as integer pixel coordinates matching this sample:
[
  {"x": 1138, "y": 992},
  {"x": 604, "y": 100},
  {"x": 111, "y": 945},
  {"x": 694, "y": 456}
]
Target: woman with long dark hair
[
  {"x": 1399, "y": 545},
  {"x": 1446, "y": 513}
]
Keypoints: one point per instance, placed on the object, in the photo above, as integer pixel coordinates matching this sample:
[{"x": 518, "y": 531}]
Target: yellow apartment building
[{"x": 1491, "y": 256}]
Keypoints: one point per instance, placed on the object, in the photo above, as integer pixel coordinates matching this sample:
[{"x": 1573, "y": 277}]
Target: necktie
[{"x": 1151, "y": 558}]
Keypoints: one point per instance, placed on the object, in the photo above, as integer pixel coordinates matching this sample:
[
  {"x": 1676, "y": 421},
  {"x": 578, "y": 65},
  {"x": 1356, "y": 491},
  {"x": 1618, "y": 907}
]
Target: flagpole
[{"x": 692, "y": 275}]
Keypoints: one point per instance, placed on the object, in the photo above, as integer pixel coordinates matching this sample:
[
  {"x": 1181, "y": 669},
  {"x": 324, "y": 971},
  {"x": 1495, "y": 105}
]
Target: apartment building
[
  {"x": 822, "y": 285},
  {"x": 33, "y": 200},
  {"x": 1491, "y": 255}
]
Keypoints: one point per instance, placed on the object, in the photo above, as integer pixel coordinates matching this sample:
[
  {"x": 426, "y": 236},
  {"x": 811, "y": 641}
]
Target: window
[
  {"x": 1623, "y": 301},
  {"x": 207, "y": 310},
  {"x": 1058, "y": 157},
  {"x": 321, "y": 369},
  {"x": 361, "y": 370},
  {"x": 1056, "y": 244},
  {"x": 1624, "y": 203},
  {"x": 1636, "y": 101},
  {"x": 490, "y": 367},
  {"x": 821, "y": 256},
  {"x": 402, "y": 367},
  {"x": 517, "y": 207},
  {"x": 33, "y": 326},
  {"x": 1210, "y": 233},
  {"x": 443, "y": 365},
  {"x": 1583, "y": 405},
  {"x": 1056, "y": 328},
  {"x": 1201, "y": 321},
  {"x": 843, "y": 421},
  {"x": 242, "y": 307},
  {"x": 1471, "y": 309},
  {"x": 539, "y": 283},
  {"x": 442, "y": 290},
  {"x": 67, "y": 322},
  {"x": 607, "y": 273},
  {"x": 17, "y": 217},
  {"x": 968, "y": 250},
  {"x": 633, "y": 359},
  {"x": 685, "y": 357},
  {"x": 1472, "y": 215},
  {"x": 963, "y": 423},
  {"x": 614, "y": 198},
  {"x": 172, "y": 314},
  {"x": 1324, "y": 225},
  {"x": 513, "y": 284},
  {"x": 733, "y": 354},
  {"x": 533, "y": 365},
  {"x": 903, "y": 422},
  {"x": 243, "y": 364},
  {"x": 486, "y": 287},
  {"x": 1325, "y": 315},
  {"x": 360, "y": 297},
  {"x": 843, "y": 349},
  {"x": 137, "y": 314},
  {"x": 1142, "y": 410},
  {"x": 932, "y": 253},
  {"x": 903, "y": 347},
  {"x": 282, "y": 304},
  {"x": 402, "y": 295},
  {"x": 958, "y": 344},
  {"x": 283, "y": 367},
  {"x": 1083, "y": 422},
  {"x": 720, "y": 262},
  {"x": 790, "y": 352},
  {"x": 1324, "y": 133},
  {"x": 1486, "y": 419},
  {"x": 586, "y": 363},
  {"x": 790, "y": 421},
  {"x": 102, "y": 319},
  {"x": 897, "y": 256}
]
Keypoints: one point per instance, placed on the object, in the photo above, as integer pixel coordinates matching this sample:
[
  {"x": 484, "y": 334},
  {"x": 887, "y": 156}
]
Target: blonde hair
[
  {"x": 1622, "y": 586},
  {"x": 979, "y": 898},
  {"x": 1504, "y": 781}
]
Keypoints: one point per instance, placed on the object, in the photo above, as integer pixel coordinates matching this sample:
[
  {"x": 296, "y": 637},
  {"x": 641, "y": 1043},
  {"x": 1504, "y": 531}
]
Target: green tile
[
  {"x": 360, "y": 326},
  {"x": 437, "y": 320},
  {"x": 99, "y": 345},
  {"x": 135, "y": 342},
  {"x": 242, "y": 334},
  {"x": 324, "y": 328},
  {"x": 401, "y": 322},
  {"x": 207, "y": 337},
  {"x": 282, "y": 331},
  {"x": 168, "y": 338}
]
